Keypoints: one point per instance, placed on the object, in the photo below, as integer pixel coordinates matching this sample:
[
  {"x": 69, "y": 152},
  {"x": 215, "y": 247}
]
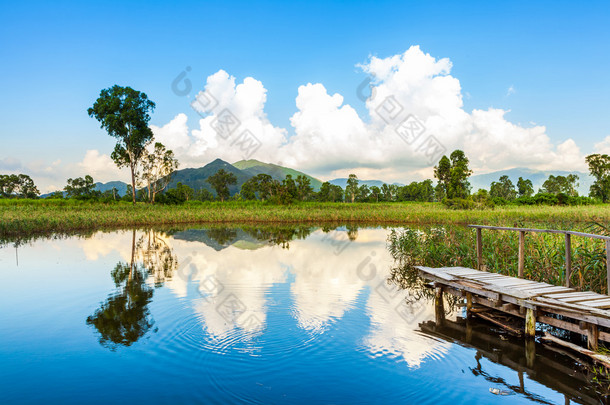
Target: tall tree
[
  {"x": 442, "y": 172},
  {"x": 157, "y": 168},
  {"x": 459, "y": 187},
  {"x": 221, "y": 181},
  {"x": 504, "y": 188},
  {"x": 304, "y": 188},
  {"x": 561, "y": 184},
  {"x": 124, "y": 113},
  {"x": 375, "y": 193},
  {"x": 386, "y": 192},
  {"x": 290, "y": 188},
  {"x": 18, "y": 185},
  {"x": 80, "y": 187},
  {"x": 599, "y": 166},
  {"x": 525, "y": 187},
  {"x": 248, "y": 189},
  {"x": 264, "y": 186},
  {"x": 351, "y": 189}
]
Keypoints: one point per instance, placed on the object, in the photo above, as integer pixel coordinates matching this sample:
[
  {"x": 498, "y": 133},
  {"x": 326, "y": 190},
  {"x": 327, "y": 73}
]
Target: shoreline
[{"x": 23, "y": 218}]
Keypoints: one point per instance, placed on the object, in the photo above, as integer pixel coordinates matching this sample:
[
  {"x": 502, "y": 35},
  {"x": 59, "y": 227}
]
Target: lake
[{"x": 292, "y": 315}]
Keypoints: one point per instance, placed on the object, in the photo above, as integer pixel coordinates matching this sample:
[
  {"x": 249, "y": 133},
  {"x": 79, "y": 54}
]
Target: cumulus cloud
[
  {"x": 603, "y": 146},
  {"x": 100, "y": 166},
  {"x": 329, "y": 139},
  {"x": 415, "y": 114}
]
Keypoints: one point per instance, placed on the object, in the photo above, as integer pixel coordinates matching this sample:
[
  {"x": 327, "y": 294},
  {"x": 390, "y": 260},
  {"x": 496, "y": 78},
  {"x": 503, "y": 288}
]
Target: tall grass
[
  {"x": 19, "y": 217},
  {"x": 544, "y": 253}
]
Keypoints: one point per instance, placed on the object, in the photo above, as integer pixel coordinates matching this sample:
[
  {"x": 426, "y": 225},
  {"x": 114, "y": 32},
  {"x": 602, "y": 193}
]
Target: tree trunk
[{"x": 133, "y": 182}]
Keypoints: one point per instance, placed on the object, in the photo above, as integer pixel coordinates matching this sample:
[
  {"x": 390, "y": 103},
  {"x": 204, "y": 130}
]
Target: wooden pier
[{"x": 583, "y": 312}]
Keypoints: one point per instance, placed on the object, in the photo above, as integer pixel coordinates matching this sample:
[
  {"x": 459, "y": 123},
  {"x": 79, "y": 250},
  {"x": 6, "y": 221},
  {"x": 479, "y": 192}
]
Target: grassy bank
[{"x": 19, "y": 217}]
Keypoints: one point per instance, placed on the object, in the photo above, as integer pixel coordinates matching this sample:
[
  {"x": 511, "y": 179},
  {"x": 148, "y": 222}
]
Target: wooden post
[
  {"x": 479, "y": 249},
  {"x": 530, "y": 323},
  {"x": 608, "y": 265},
  {"x": 521, "y": 384},
  {"x": 530, "y": 352},
  {"x": 439, "y": 310},
  {"x": 521, "y": 253},
  {"x": 468, "y": 305},
  {"x": 592, "y": 337},
  {"x": 568, "y": 260}
]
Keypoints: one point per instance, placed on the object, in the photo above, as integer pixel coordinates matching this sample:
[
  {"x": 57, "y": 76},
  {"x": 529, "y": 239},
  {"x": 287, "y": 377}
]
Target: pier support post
[
  {"x": 468, "y": 305},
  {"x": 439, "y": 309},
  {"x": 530, "y": 352},
  {"x": 608, "y": 265},
  {"x": 479, "y": 249},
  {"x": 530, "y": 323},
  {"x": 568, "y": 260},
  {"x": 521, "y": 253},
  {"x": 592, "y": 337}
]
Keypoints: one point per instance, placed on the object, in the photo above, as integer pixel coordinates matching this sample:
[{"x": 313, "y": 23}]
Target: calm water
[{"x": 223, "y": 316}]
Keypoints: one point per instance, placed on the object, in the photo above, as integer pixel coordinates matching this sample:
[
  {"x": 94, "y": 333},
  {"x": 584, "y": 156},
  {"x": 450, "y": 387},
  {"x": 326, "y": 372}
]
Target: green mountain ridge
[{"x": 255, "y": 167}]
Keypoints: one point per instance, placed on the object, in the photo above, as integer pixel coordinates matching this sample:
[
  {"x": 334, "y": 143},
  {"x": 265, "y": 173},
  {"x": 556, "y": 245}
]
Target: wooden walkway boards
[{"x": 583, "y": 312}]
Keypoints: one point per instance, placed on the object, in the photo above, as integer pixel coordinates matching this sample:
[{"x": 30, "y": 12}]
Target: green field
[{"x": 22, "y": 217}]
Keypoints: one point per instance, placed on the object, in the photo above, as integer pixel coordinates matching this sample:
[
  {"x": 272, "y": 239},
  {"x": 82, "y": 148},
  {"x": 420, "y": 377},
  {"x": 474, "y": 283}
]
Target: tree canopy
[
  {"x": 599, "y": 166},
  {"x": 221, "y": 181},
  {"x": 124, "y": 113}
]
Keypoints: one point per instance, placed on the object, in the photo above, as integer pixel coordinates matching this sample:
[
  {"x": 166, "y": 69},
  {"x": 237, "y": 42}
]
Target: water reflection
[
  {"x": 125, "y": 317},
  {"x": 261, "y": 314},
  {"x": 228, "y": 276}
]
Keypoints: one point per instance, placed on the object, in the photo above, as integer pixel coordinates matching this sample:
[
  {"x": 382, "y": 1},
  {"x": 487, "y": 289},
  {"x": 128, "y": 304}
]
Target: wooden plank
[
  {"x": 573, "y": 294},
  {"x": 546, "y": 290},
  {"x": 605, "y": 303},
  {"x": 575, "y": 309},
  {"x": 510, "y": 282},
  {"x": 582, "y": 298},
  {"x": 436, "y": 272},
  {"x": 541, "y": 285},
  {"x": 458, "y": 270},
  {"x": 485, "y": 278}
]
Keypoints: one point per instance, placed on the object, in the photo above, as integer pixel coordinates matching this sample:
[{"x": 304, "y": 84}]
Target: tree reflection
[
  {"x": 223, "y": 236},
  {"x": 125, "y": 317}
]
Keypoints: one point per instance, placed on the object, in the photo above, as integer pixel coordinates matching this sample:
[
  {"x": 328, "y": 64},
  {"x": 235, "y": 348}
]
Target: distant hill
[
  {"x": 342, "y": 182},
  {"x": 120, "y": 186},
  {"x": 196, "y": 178},
  {"x": 536, "y": 176},
  {"x": 255, "y": 167},
  {"x": 219, "y": 239}
]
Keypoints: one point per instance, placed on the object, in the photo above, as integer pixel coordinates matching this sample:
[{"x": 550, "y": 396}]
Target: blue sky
[{"x": 58, "y": 56}]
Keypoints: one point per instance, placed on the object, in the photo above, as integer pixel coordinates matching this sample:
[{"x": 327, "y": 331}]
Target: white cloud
[
  {"x": 510, "y": 91},
  {"x": 99, "y": 166},
  {"x": 329, "y": 139},
  {"x": 603, "y": 146}
]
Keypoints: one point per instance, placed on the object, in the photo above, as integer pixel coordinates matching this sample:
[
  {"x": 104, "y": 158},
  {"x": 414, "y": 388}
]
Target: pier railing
[{"x": 568, "y": 243}]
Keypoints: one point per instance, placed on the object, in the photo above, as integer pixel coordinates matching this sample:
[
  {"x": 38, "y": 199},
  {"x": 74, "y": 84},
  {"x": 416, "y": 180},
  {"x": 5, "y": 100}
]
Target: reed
[{"x": 447, "y": 246}]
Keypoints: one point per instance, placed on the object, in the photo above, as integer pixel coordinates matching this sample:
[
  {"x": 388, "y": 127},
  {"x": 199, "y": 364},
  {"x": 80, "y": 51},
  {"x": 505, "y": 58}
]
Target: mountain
[
  {"x": 119, "y": 185},
  {"x": 221, "y": 238},
  {"x": 536, "y": 176},
  {"x": 196, "y": 178},
  {"x": 342, "y": 182},
  {"x": 254, "y": 167}
]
